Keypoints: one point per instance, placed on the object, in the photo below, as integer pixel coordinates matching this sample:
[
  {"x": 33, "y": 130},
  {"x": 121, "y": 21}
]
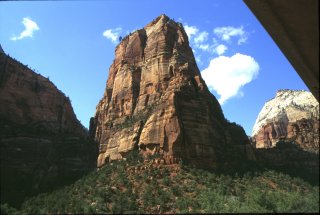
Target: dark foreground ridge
[{"x": 43, "y": 145}]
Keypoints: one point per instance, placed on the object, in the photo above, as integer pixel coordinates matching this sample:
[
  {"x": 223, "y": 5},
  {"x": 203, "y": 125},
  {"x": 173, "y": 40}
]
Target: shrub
[
  {"x": 166, "y": 181},
  {"x": 114, "y": 190},
  {"x": 7, "y": 209}
]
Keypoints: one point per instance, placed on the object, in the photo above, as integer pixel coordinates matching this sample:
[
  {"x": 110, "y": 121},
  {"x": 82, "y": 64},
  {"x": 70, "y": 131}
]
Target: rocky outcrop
[
  {"x": 292, "y": 116},
  {"x": 155, "y": 101},
  {"x": 43, "y": 145},
  {"x": 286, "y": 134}
]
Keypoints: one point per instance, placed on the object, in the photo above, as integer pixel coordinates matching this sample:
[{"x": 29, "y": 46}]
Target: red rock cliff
[
  {"x": 156, "y": 101},
  {"x": 43, "y": 145}
]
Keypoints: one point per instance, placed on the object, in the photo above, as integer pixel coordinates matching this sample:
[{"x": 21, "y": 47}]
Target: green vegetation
[{"x": 137, "y": 186}]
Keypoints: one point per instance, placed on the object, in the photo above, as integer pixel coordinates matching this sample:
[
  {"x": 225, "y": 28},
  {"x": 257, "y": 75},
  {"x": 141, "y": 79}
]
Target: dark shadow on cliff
[
  {"x": 286, "y": 157},
  {"x": 43, "y": 146},
  {"x": 289, "y": 158},
  {"x": 36, "y": 161}
]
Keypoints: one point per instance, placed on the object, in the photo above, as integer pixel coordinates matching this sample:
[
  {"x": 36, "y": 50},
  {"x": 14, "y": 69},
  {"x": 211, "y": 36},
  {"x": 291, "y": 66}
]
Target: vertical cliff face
[
  {"x": 292, "y": 116},
  {"x": 155, "y": 101},
  {"x": 43, "y": 145},
  {"x": 30, "y": 99}
]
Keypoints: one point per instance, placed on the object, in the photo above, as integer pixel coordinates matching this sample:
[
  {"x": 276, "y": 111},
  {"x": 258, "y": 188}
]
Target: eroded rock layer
[
  {"x": 156, "y": 101},
  {"x": 292, "y": 116},
  {"x": 43, "y": 145}
]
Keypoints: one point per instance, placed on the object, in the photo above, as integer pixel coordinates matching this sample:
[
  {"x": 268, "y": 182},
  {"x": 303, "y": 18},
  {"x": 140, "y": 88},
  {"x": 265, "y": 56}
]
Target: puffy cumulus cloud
[
  {"x": 225, "y": 33},
  {"x": 30, "y": 27},
  {"x": 200, "y": 41},
  {"x": 191, "y": 30},
  {"x": 112, "y": 34},
  {"x": 201, "y": 37},
  {"x": 226, "y": 75},
  {"x": 220, "y": 49}
]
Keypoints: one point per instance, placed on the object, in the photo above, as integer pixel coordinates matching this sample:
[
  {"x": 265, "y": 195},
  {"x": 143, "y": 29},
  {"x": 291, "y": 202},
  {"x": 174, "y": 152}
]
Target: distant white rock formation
[{"x": 288, "y": 105}]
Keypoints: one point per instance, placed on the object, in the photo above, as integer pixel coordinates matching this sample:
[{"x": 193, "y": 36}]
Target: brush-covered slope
[{"x": 140, "y": 185}]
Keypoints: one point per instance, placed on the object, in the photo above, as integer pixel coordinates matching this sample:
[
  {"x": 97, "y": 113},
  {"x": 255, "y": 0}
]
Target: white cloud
[
  {"x": 220, "y": 49},
  {"x": 204, "y": 47},
  {"x": 225, "y": 33},
  {"x": 112, "y": 34},
  {"x": 197, "y": 39},
  {"x": 226, "y": 75},
  {"x": 191, "y": 30},
  {"x": 30, "y": 27},
  {"x": 201, "y": 37}
]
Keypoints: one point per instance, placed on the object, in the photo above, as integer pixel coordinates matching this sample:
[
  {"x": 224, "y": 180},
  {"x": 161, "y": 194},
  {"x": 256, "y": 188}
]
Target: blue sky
[{"x": 72, "y": 43}]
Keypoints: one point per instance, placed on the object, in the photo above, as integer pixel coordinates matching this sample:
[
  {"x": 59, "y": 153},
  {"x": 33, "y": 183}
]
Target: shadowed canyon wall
[{"x": 43, "y": 145}]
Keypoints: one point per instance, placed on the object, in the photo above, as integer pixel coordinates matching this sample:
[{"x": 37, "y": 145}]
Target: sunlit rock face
[
  {"x": 43, "y": 145},
  {"x": 292, "y": 116},
  {"x": 155, "y": 101}
]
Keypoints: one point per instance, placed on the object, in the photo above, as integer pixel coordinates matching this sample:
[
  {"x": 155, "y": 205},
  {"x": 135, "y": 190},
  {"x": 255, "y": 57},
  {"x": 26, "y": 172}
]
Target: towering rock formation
[
  {"x": 292, "y": 116},
  {"x": 43, "y": 145},
  {"x": 156, "y": 101}
]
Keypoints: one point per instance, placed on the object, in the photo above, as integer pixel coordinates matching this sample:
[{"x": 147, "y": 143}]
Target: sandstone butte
[
  {"x": 43, "y": 145},
  {"x": 292, "y": 116},
  {"x": 156, "y": 101}
]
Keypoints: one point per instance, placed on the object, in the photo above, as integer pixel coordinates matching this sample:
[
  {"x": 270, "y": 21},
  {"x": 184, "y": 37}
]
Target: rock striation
[
  {"x": 292, "y": 116},
  {"x": 43, "y": 145},
  {"x": 156, "y": 102}
]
